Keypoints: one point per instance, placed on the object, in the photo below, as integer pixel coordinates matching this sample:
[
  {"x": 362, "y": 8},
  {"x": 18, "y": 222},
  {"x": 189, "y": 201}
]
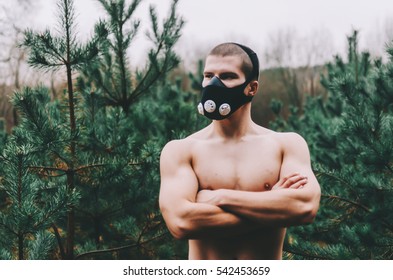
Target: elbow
[
  {"x": 178, "y": 226},
  {"x": 179, "y": 229},
  {"x": 309, "y": 208},
  {"x": 308, "y": 215},
  {"x": 309, "y": 212}
]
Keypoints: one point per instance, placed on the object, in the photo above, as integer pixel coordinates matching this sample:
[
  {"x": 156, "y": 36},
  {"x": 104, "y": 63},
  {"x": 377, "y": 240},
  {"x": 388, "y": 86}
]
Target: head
[
  {"x": 247, "y": 58},
  {"x": 230, "y": 80}
]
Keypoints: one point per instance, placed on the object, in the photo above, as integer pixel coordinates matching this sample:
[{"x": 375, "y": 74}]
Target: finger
[
  {"x": 292, "y": 180},
  {"x": 278, "y": 184},
  {"x": 200, "y": 195},
  {"x": 299, "y": 184},
  {"x": 284, "y": 179},
  {"x": 283, "y": 182}
]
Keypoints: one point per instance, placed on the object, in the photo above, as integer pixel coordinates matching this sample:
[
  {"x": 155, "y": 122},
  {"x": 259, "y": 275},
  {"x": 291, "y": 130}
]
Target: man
[{"x": 233, "y": 187}]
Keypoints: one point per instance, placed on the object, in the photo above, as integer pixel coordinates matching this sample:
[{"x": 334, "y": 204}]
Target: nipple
[{"x": 267, "y": 186}]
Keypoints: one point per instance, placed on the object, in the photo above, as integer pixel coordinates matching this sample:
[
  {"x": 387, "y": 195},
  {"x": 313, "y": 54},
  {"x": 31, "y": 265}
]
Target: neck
[{"x": 237, "y": 125}]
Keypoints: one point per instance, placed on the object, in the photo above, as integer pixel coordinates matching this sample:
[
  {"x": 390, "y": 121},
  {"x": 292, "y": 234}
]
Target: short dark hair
[{"x": 250, "y": 63}]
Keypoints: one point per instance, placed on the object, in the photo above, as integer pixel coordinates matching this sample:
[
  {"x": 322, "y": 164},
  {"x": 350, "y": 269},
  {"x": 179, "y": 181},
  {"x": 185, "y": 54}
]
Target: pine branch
[
  {"x": 59, "y": 242},
  {"x": 89, "y": 166},
  {"x": 131, "y": 246},
  {"x": 48, "y": 214},
  {"x": 358, "y": 205},
  {"x": 48, "y": 168},
  {"x": 332, "y": 176},
  {"x": 140, "y": 88},
  {"x": 306, "y": 255}
]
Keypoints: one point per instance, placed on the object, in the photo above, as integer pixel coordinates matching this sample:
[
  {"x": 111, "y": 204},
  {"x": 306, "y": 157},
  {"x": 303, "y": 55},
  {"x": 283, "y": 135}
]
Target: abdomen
[{"x": 266, "y": 243}]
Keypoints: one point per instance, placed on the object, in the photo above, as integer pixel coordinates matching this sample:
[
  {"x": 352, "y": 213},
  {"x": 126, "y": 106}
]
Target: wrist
[{"x": 221, "y": 197}]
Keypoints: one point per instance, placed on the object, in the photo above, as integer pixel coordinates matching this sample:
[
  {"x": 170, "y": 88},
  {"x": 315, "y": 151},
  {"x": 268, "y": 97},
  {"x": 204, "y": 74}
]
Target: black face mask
[{"x": 219, "y": 102}]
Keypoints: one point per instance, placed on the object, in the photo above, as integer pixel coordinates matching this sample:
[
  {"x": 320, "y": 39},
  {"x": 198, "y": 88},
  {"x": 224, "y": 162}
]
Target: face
[
  {"x": 227, "y": 68},
  {"x": 224, "y": 87}
]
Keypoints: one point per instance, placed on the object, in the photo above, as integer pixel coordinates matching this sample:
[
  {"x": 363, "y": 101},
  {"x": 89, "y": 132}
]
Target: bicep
[
  {"x": 296, "y": 158},
  {"x": 178, "y": 186},
  {"x": 178, "y": 180}
]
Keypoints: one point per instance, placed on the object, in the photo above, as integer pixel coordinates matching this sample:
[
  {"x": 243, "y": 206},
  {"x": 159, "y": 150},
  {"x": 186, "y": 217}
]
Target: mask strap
[{"x": 254, "y": 60}]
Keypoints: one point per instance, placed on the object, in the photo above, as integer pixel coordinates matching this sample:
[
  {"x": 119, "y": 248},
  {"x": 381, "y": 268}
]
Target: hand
[
  {"x": 207, "y": 196},
  {"x": 293, "y": 181}
]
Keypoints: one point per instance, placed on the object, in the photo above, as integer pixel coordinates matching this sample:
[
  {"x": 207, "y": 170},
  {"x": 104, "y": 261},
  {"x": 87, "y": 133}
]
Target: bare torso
[{"x": 250, "y": 164}]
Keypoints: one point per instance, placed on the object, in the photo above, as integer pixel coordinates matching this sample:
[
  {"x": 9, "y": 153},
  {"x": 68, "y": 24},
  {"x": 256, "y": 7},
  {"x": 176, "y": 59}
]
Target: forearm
[
  {"x": 200, "y": 220},
  {"x": 283, "y": 207}
]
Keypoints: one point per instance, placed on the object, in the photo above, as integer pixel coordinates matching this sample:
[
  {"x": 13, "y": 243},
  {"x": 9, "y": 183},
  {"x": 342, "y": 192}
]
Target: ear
[{"x": 252, "y": 88}]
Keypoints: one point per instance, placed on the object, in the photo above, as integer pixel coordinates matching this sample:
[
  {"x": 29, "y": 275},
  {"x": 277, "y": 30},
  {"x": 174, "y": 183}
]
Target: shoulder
[
  {"x": 293, "y": 144},
  {"x": 179, "y": 148},
  {"x": 288, "y": 141},
  {"x": 174, "y": 155},
  {"x": 290, "y": 138},
  {"x": 184, "y": 145},
  {"x": 175, "y": 148},
  {"x": 284, "y": 139}
]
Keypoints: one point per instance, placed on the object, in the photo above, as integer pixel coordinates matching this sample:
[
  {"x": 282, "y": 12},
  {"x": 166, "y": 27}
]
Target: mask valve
[
  {"x": 210, "y": 106},
  {"x": 224, "y": 109}
]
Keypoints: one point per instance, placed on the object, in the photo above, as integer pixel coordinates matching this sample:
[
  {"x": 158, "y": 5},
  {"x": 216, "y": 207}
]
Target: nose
[{"x": 215, "y": 81}]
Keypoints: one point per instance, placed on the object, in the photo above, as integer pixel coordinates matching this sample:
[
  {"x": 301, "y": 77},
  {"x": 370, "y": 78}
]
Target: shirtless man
[{"x": 233, "y": 187}]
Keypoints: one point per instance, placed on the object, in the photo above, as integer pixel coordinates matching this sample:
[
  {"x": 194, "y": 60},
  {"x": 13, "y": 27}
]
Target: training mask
[{"x": 218, "y": 101}]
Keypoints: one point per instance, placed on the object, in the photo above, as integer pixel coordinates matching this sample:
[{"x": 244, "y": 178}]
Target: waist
[{"x": 256, "y": 245}]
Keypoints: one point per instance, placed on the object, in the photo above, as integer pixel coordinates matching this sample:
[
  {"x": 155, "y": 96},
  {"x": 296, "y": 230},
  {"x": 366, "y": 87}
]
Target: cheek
[
  {"x": 205, "y": 82},
  {"x": 231, "y": 84}
]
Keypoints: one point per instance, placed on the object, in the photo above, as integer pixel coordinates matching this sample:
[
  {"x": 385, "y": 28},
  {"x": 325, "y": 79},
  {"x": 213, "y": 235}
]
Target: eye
[
  {"x": 228, "y": 76},
  {"x": 208, "y": 75}
]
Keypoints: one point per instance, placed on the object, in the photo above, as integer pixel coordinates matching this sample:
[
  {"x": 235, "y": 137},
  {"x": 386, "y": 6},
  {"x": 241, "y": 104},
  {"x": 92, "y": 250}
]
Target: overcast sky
[{"x": 252, "y": 22}]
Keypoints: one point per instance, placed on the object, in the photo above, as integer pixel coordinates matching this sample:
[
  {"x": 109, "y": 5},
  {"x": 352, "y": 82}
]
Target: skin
[{"x": 233, "y": 187}]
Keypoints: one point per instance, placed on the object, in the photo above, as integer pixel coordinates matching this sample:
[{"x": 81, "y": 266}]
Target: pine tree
[
  {"x": 35, "y": 201},
  {"x": 139, "y": 130},
  {"x": 112, "y": 73},
  {"x": 79, "y": 174},
  {"x": 51, "y": 52},
  {"x": 350, "y": 136},
  {"x": 135, "y": 140}
]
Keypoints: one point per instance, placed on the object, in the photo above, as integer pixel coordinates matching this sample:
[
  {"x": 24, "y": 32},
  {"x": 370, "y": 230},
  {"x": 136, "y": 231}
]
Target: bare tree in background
[
  {"x": 316, "y": 49},
  {"x": 13, "y": 18},
  {"x": 280, "y": 48},
  {"x": 281, "y": 55},
  {"x": 380, "y": 35},
  {"x": 13, "y": 68},
  {"x": 288, "y": 52}
]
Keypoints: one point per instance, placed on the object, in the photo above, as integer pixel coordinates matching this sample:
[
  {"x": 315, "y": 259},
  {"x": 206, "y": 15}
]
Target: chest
[{"x": 245, "y": 166}]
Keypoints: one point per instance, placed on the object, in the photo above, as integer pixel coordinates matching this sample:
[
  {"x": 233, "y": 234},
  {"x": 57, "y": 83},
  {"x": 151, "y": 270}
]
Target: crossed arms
[{"x": 193, "y": 214}]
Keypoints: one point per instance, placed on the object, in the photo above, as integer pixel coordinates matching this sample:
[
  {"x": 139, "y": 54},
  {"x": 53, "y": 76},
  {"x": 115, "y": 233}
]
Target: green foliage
[
  {"x": 3, "y": 134},
  {"x": 111, "y": 72},
  {"x": 48, "y": 51},
  {"x": 350, "y": 137},
  {"x": 119, "y": 201},
  {"x": 32, "y": 203},
  {"x": 79, "y": 176}
]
